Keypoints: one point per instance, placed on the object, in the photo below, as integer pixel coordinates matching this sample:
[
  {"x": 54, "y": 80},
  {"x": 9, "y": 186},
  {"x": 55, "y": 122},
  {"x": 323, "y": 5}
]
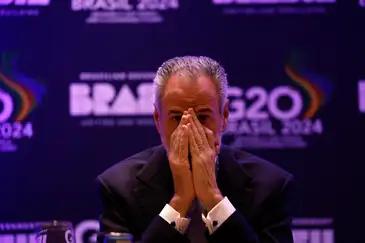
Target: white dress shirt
[{"x": 213, "y": 220}]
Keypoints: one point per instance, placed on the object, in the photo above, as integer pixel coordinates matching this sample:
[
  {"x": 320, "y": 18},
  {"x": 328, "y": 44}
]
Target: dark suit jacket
[{"x": 134, "y": 191}]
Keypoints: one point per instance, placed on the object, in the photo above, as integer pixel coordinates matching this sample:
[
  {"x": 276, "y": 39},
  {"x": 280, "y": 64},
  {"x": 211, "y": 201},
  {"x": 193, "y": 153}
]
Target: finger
[
  {"x": 210, "y": 138},
  {"x": 176, "y": 142},
  {"x": 192, "y": 143},
  {"x": 195, "y": 132},
  {"x": 217, "y": 148},
  {"x": 198, "y": 127},
  {"x": 184, "y": 120},
  {"x": 184, "y": 143}
]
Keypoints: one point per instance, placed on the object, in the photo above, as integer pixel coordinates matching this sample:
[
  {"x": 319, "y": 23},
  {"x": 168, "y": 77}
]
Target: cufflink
[
  {"x": 173, "y": 224},
  {"x": 215, "y": 223}
]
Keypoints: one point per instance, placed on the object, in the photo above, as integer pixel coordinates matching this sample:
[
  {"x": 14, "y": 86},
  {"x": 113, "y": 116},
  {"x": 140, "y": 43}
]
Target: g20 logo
[
  {"x": 265, "y": 104},
  {"x": 11, "y": 130},
  {"x": 8, "y": 106}
]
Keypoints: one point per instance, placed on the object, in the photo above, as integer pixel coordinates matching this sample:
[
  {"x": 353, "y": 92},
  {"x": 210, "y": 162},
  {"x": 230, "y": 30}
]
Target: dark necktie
[{"x": 197, "y": 229}]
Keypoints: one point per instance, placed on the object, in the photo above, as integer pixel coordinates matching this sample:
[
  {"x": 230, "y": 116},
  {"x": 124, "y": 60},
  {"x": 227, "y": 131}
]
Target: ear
[
  {"x": 225, "y": 115},
  {"x": 156, "y": 117}
]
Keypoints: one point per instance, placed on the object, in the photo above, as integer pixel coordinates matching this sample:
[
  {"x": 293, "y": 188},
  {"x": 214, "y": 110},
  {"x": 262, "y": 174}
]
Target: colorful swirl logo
[
  {"x": 318, "y": 89},
  {"x": 26, "y": 93}
]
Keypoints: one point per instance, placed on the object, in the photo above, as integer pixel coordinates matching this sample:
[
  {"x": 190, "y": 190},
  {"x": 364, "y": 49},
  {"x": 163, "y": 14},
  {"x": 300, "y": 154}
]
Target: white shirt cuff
[
  {"x": 171, "y": 216},
  {"x": 218, "y": 215}
]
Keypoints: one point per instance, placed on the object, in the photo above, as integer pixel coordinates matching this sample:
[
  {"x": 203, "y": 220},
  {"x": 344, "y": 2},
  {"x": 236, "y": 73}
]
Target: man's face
[{"x": 180, "y": 95}]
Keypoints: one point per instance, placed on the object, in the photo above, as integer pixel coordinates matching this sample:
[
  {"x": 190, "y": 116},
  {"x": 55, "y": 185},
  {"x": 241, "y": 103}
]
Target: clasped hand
[{"x": 200, "y": 182}]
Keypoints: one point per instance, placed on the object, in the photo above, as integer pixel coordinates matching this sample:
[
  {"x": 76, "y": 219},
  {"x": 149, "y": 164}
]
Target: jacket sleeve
[
  {"x": 273, "y": 223},
  {"x": 115, "y": 217}
]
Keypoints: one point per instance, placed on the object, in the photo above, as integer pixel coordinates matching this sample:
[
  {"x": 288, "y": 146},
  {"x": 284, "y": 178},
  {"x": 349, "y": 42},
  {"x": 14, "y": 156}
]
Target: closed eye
[
  {"x": 202, "y": 117},
  {"x": 176, "y": 118}
]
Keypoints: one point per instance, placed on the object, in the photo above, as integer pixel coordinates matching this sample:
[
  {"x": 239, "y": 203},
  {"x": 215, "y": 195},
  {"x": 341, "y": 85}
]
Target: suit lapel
[
  {"x": 155, "y": 187},
  {"x": 234, "y": 181}
]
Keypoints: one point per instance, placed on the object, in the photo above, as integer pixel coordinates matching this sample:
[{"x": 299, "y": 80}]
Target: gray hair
[{"x": 191, "y": 67}]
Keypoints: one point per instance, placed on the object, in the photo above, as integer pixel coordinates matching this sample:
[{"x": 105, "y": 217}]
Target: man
[{"x": 193, "y": 188}]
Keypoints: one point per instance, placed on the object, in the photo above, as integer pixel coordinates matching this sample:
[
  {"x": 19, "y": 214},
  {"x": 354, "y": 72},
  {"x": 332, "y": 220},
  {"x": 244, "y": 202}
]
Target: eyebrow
[
  {"x": 175, "y": 112},
  {"x": 205, "y": 109},
  {"x": 201, "y": 110}
]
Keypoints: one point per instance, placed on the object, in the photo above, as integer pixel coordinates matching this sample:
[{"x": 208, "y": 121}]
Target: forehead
[{"x": 182, "y": 93}]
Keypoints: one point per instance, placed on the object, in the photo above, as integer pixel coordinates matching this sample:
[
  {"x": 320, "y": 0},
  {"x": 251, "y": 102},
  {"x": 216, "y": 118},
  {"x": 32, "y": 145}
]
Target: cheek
[
  {"x": 214, "y": 126},
  {"x": 167, "y": 129}
]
